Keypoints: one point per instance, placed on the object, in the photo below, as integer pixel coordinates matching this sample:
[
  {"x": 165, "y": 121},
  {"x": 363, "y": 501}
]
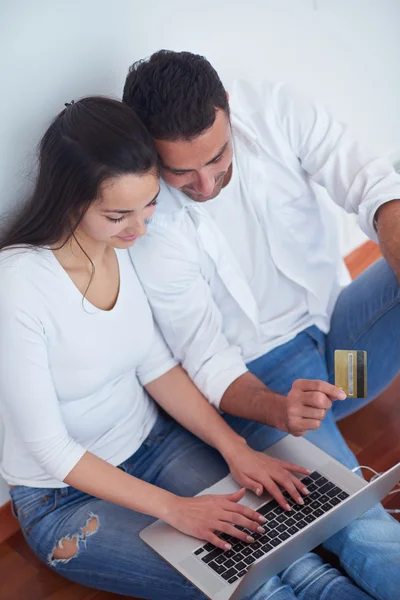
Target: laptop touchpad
[{"x": 197, "y": 573}]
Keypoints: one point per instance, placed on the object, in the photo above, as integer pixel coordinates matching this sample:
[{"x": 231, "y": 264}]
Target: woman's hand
[
  {"x": 202, "y": 516},
  {"x": 257, "y": 472}
]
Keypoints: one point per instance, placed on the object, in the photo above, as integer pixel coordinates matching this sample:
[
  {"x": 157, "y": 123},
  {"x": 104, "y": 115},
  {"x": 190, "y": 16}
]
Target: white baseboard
[{"x": 4, "y": 495}]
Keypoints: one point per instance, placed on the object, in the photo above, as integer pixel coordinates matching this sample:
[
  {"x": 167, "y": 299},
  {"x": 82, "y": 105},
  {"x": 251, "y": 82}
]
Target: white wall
[{"x": 51, "y": 51}]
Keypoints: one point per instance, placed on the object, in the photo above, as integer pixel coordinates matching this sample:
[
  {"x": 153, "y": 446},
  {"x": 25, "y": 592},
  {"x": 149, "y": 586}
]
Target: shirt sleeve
[
  {"x": 191, "y": 323},
  {"x": 356, "y": 179},
  {"x": 158, "y": 361},
  {"x": 27, "y": 394}
]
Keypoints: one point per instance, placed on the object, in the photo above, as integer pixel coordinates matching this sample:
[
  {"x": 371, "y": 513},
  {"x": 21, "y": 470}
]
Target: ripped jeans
[
  {"x": 112, "y": 557},
  {"x": 104, "y": 547}
]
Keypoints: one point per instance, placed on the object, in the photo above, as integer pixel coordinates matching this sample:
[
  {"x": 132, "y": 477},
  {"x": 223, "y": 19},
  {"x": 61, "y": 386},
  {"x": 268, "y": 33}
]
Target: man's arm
[
  {"x": 169, "y": 266},
  {"x": 388, "y": 229},
  {"x": 302, "y": 410},
  {"x": 192, "y": 325},
  {"x": 248, "y": 397},
  {"x": 356, "y": 179}
]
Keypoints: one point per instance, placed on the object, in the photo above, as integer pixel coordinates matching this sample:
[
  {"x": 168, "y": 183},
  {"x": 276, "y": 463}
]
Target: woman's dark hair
[
  {"x": 90, "y": 141},
  {"x": 175, "y": 94}
]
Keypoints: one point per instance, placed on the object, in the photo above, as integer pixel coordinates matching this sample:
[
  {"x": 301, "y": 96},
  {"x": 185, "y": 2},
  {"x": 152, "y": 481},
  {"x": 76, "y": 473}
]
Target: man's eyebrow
[
  {"x": 224, "y": 147},
  {"x": 121, "y": 211}
]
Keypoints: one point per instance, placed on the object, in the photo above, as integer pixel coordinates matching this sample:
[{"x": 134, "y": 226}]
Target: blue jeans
[
  {"x": 367, "y": 316},
  {"x": 114, "y": 558}
]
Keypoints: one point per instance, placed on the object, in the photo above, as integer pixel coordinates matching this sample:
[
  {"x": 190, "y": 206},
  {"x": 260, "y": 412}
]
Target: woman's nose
[{"x": 138, "y": 227}]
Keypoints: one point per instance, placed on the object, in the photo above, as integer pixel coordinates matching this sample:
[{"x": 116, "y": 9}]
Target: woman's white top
[{"x": 71, "y": 375}]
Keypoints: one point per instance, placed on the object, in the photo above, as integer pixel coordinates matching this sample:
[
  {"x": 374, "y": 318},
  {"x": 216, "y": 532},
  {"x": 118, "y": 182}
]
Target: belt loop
[{"x": 64, "y": 491}]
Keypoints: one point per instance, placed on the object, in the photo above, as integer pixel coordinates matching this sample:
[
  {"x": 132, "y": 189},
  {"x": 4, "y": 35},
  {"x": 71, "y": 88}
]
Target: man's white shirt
[
  {"x": 231, "y": 279},
  {"x": 282, "y": 303}
]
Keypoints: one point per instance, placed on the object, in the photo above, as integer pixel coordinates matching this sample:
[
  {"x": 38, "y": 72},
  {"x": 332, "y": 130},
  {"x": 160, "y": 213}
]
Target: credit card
[{"x": 351, "y": 372}]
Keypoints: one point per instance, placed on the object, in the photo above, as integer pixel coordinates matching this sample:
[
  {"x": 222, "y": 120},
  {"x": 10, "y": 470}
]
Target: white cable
[
  {"x": 376, "y": 474},
  {"x": 392, "y": 511}
]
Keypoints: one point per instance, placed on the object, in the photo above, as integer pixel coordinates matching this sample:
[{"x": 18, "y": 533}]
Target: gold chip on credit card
[{"x": 351, "y": 372}]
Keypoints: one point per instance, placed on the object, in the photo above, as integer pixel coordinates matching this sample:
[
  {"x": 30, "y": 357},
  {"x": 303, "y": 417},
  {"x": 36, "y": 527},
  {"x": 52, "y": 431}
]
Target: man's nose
[{"x": 205, "y": 184}]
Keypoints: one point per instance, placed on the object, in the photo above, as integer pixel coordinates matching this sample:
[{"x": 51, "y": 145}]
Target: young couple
[{"x": 104, "y": 429}]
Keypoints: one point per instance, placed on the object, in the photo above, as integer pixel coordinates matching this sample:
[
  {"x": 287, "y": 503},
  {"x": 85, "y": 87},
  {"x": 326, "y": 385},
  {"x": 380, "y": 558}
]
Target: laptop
[{"x": 337, "y": 496}]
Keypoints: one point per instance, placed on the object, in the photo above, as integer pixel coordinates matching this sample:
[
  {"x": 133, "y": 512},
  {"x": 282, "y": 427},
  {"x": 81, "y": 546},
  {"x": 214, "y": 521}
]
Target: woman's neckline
[{"x": 83, "y": 298}]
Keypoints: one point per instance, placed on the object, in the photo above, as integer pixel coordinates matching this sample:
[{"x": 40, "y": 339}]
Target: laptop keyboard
[{"x": 281, "y": 524}]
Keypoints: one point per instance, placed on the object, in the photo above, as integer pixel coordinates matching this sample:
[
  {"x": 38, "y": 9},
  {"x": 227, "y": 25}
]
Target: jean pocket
[{"x": 28, "y": 502}]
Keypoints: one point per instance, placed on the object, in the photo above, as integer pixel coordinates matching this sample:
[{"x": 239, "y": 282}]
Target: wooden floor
[{"x": 373, "y": 434}]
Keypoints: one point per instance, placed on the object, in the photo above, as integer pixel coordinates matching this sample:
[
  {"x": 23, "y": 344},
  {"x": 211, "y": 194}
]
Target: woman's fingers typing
[
  {"x": 279, "y": 478},
  {"x": 209, "y": 516}
]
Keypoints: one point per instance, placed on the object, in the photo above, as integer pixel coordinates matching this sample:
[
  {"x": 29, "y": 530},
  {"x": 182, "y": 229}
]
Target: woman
[{"x": 90, "y": 457}]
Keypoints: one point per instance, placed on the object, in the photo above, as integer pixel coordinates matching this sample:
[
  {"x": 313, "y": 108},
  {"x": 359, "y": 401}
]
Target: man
[{"x": 242, "y": 268}]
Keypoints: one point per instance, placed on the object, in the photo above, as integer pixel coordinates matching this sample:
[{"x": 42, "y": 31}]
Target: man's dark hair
[{"x": 175, "y": 94}]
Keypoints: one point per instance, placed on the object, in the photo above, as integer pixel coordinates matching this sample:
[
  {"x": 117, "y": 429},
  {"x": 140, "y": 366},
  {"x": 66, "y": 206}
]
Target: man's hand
[
  {"x": 306, "y": 405},
  {"x": 301, "y": 410}
]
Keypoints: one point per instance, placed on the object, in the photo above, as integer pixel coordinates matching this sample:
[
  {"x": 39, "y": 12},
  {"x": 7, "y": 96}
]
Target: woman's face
[{"x": 119, "y": 215}]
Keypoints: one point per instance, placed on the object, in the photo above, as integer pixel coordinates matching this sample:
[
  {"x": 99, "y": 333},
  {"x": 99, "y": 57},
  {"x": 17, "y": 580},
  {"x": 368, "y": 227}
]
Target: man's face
[{"x": 201, "y": 167}]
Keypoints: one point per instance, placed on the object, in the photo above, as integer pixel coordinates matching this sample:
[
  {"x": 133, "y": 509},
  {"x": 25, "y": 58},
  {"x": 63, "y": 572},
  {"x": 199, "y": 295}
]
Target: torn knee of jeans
[{"x": 69, "y": 546}]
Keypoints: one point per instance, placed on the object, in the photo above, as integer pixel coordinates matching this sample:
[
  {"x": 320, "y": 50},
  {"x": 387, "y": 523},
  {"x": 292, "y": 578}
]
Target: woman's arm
[
  {"x": 177, "y": 394},
  {"x": 181, "y": 399},
  {"x": 200, "y": 517},
  {"x": 31, "y": 407},
  {"x": 96, "y": 477}
]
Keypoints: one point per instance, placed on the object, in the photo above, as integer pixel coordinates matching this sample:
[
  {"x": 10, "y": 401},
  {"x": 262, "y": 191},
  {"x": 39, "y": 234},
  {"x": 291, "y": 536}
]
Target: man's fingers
[
  {"x": 317, "y": 400},
  {"x": 317, "y": 385},
  {"x": 308, "y": 424},
  {"x": 342, "y": 393},
  {"x": 298, "y": 433},
  {"x": 317, "y": 414}
]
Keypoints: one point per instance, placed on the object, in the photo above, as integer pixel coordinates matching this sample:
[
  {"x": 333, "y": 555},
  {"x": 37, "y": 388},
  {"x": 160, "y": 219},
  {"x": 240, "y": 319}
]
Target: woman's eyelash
[
  {"x": 152, "y": 203},
  {"x": 116, "y": 220}
]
